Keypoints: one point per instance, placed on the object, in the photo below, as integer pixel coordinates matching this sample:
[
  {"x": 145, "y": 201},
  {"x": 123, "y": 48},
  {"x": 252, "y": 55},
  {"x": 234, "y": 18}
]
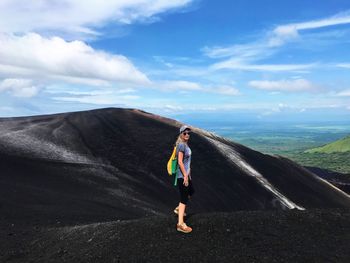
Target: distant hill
[{"x": 342, "y": 145}]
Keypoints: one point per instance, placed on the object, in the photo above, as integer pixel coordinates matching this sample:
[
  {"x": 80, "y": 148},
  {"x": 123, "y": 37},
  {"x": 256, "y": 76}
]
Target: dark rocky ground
[
  {"x": 340, "y": 180},
  {"x": 92, "y": 187},
  {"x": 315, "y": 235}
]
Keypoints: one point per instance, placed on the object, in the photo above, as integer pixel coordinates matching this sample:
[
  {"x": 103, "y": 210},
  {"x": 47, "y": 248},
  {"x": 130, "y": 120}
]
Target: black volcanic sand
[
  {"x": 246, "y": 236},
  {"x": 92, "y": 187}
]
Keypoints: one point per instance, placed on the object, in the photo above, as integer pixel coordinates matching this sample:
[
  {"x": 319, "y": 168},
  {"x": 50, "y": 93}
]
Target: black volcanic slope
[
  {"x": 111, "y": 164},
  {"x": 92, "y": 187},
  {"x": 340, "y": 180}
]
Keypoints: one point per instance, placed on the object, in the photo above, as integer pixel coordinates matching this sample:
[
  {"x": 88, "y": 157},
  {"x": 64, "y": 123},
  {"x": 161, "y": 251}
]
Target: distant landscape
[{"x": 291, "y": 140}]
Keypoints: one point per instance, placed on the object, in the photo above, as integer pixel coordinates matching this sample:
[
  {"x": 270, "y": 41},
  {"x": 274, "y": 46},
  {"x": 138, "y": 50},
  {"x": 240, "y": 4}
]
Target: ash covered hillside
[{"x": 111, "y": 164}]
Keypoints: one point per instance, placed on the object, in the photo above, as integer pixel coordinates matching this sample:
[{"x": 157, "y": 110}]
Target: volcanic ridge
[{"x": 92, "y": 186}]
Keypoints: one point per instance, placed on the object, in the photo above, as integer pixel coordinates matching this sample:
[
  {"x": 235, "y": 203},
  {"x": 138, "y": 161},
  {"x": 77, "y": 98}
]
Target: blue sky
[{"x": 262, "y": 60}]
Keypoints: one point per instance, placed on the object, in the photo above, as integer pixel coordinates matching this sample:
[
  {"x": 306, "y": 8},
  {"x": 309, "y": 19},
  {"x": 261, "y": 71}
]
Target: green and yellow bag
[{"x": 173, "y": 165}]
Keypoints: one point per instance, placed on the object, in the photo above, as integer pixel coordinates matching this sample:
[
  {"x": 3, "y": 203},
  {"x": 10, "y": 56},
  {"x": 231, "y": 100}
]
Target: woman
[{"x": 184, "y": 180}]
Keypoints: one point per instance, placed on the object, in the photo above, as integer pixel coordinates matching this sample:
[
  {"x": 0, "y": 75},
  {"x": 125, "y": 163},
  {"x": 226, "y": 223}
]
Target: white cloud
[
  {"x": 273, "y": 93},
  {"x": 246, "y": 56},
  {"x": 284, "y": 33},
  {"x": 240, "y": 52},
  {"x": 78, "y": 16},
  {"x": 247, "y": 60},
  {"x": 226, "y": 90},
  {"x": 77, "y": 92},
  {"x": 34, "y": 56},
  {"x": 99, "y": 99},
  {"x": 211, "y": 107},
  {"x": 282, "y": 108},
  {"x": 343, "y": 65},
  {"x": 27, "y": 53},
  {"x": 178, "y": 85},
  {"x": 19, "y": 87},
  {"x": 175, "y": 108},
  {"x": 181, "y": 86},
  {"x": 283, "y": 85},
  {"x": 233, "y": 64},
  {"x": 344, "y": 93},
  {"x": 101, "y": 96}
]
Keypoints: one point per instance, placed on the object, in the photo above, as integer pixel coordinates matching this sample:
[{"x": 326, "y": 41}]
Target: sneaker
[
  {"x": 176, "y": 211},
  {"x": 183, "y": 228}
]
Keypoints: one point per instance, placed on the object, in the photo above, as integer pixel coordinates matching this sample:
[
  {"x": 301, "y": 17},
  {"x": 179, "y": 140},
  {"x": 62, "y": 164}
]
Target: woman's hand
[{"x": 186, "y": 180}]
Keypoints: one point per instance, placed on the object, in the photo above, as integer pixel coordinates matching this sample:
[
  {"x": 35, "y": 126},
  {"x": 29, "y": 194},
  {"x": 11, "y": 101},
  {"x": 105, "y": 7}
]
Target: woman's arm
[{"x": 182, "y": 166}]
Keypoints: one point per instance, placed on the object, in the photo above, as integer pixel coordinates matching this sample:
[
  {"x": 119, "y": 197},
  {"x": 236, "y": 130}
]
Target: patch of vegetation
[
  {"x": 342, "y": 145},
  {"x": 338, "y": 162}
]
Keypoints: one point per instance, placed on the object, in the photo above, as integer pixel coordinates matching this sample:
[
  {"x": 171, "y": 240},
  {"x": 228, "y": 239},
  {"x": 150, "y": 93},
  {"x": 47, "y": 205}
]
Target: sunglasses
[{"x": 185, "y": 133}]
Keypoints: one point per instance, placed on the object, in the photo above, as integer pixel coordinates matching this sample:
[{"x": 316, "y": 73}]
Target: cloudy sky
[{"x": 268, "y": 58}]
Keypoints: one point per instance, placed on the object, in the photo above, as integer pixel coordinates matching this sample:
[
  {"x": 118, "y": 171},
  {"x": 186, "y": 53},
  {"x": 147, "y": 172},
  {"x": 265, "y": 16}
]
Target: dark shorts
[{"x": 185, "y": 191}]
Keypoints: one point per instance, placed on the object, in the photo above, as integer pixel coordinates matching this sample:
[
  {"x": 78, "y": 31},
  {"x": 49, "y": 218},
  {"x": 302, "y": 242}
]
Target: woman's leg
[
  {"x": 183, "y": 200},
  {"x": 182, "y": 208}
]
